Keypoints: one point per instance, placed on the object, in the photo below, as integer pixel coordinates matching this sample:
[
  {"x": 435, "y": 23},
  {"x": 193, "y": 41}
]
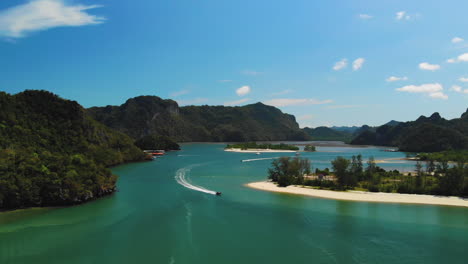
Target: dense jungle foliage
[{"x": 53, "y": 153}]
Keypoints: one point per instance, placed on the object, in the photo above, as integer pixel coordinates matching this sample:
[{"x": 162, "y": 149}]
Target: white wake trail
[
  {"x": 249, "y": 160},
  {"x": 180, "y": 178}
]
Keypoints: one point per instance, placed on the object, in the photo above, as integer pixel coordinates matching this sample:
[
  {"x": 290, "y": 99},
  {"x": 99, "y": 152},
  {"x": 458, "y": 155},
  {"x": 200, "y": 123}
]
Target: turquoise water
[{"x": 156, "y": 219}]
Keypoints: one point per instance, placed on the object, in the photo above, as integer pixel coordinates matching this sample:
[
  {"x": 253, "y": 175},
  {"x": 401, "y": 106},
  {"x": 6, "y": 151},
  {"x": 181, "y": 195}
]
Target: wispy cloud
[
  {"x": 429, "y": 67},
  {"x": 192, "y": 101},
  {"x": 461, "y": 58},
  {"x": 39, "y": 15},
  {"x": 244, "y": 90},
  {"x": 457, "y": 40},
  {"x": 463, "y": 79},
  {"x": 438, "y": 95},
  {"x": 357, "y": 64},
  {"x": 287, "y": 91},
  {"x": 395, "y": 78},
  {"x": 459, "y": 89},
  {"x": 251, "y": 73},
  {"x": 179, "y": 93},
  {"x": 424, "y": 88},
  {"x": 403, "y": 15},
  {"x": 340, "y": 65},
  {"x": 294, "y": 102},
  {"x": 400, "y": 15},
  {"x": 365, "y": 16},
  {"x": 236, "y": 102},
  {"x": 434, "y": 90}
]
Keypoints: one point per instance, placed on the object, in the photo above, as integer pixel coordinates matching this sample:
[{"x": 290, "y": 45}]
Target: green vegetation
[
  {"x": 453, "y": 155},
  {"x": 309, "y": 148},
  {"x": 426, "y": 134},
  {"x": 254, "y": 145},
  {"x": 156, "y": 142},
  {"x": 328, "y": 134},
  {"x": 151, "y": 115},
  {"x": 53, "y": 153},
  {"x": 287, "y": 171},
  {"x": 436, "y": 178}
]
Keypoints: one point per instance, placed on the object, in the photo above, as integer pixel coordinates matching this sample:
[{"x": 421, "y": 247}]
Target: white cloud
[
  {"x": 179, "y": 93},
  {"x": 457, "y": 40},
  {"x": 394, "y": 79},
  {"x": 433, "y": 90},
  {"x": 365, "y": 16},
  {"x": 402, "y": 15},
  {"x": 244, "y": 90},
  {"x": 357, "y": 64},
  {"x": 456, "y": 88},
  {"x": 459, "y": 89},
  {"x": 251, "y": 73},
  {"x": 291, "y": 102},
  {"x": 237, "y": 102},
  {"x": 438, "y": 95},
  {"x": 424, "y": 88},
  {"x": 428, "y": 67},
  {"x": 463, "y": 57},
  {"x": 38, "y": 15},
  {"x": 192, "y": 101},
  {"x": 463, "y": 79},
  {"x": 340, "y": 65},
  {"x": 282, "y": 92}
]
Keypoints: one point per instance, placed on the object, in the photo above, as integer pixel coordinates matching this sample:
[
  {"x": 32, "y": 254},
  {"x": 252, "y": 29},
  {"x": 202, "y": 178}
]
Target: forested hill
[
  {"x": 146, "y": 115},
  {"x": 426, "y": 134},
  {"x": 328, "y": 134},
  {"x": 53, "y": 153}
]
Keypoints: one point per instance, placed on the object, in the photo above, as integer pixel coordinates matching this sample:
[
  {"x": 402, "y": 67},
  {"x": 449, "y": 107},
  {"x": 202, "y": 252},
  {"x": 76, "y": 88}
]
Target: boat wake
[
  {"x": 249, "y": 160},
  {"x": 182, "y": 180}
]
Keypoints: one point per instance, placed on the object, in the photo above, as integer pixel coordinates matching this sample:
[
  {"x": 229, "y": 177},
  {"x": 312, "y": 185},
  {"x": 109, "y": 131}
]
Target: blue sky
[{"x": 327, "y": 62}]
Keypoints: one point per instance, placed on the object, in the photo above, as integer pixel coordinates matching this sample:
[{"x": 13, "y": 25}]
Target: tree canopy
[{"x": 53, "y": 153}]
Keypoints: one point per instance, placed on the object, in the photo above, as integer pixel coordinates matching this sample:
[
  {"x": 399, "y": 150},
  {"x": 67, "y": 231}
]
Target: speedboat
[{"x": 218, "y": 193}]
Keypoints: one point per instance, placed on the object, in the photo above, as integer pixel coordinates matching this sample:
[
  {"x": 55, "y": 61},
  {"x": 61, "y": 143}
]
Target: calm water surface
[{"x": 154, "y": 218}]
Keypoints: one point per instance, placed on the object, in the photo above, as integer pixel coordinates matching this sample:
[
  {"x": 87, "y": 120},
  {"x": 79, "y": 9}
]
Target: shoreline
[
  {"x": 359, "y": 196},
  {"x": 259, "y": 150}
]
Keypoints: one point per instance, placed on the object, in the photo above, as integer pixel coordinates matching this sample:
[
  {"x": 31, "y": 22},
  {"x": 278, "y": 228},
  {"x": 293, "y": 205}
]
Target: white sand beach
[
  {"x": 258, "y": 150},
  {"x": 362, "y": 196}
]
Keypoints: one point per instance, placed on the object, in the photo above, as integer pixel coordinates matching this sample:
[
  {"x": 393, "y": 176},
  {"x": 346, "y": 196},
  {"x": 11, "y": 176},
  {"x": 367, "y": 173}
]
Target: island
[
  {"x": 253, "y": 147},
  {"x": 437, "y": 184}
]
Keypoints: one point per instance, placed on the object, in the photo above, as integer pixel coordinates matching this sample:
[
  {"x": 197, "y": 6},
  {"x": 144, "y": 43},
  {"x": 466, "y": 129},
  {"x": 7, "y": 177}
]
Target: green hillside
[
  {"x": 53, "y": 153},
  {"x": 151, "y": 115},
  {"x": 327, "y": 134},
  {"x": 426, "y": 134}
]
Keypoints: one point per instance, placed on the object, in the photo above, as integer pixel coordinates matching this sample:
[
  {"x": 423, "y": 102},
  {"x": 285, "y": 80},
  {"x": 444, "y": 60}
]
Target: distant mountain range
[
  {"x": 426, "y": 134},
  {"x": 55, "y": 152},
  {"x": 145, "y": 115},
  {"x": 150, "y": 115},
  {"x": 328, "y": 134}
]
